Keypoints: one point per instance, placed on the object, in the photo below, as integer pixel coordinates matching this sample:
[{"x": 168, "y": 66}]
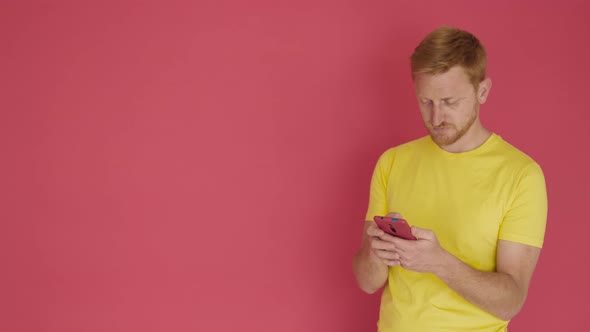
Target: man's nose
[{"x": 437, "y": 116}]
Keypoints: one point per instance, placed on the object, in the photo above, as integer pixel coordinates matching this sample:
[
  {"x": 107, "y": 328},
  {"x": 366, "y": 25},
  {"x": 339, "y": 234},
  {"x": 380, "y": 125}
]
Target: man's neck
[{"x": 474, "y": 138}]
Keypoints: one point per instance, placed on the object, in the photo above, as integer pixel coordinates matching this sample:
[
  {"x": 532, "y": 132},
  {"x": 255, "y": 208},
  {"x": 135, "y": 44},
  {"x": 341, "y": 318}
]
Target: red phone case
[{"x": 395, "y": 226}]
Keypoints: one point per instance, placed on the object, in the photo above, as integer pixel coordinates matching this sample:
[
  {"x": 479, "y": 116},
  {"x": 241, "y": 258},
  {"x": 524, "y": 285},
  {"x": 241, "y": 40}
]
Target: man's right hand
[
  {"x": 371, "y": 263},
  {"x": 382, "y": 245}
]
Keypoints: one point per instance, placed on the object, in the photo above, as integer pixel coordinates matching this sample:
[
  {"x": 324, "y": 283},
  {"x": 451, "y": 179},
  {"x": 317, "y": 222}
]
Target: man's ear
[{"x": 483, "y": 91}]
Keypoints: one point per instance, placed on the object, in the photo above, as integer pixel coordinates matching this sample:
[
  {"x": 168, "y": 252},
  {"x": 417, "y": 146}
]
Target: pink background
[{"x": 204, "y": 165}]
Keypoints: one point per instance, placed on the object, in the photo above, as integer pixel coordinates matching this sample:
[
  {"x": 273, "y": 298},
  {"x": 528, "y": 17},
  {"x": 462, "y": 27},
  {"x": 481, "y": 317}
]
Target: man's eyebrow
[{"x": 456, "y": 98}]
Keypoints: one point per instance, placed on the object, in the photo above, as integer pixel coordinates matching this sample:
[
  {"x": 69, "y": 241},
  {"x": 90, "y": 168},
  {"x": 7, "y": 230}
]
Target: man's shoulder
[
  {"x": 514, "y": 155},
  {"x": 413, "y": 146},
  {"x": 404, "y": 151}
]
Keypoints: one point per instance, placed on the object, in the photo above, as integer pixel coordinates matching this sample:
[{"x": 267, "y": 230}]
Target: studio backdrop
[{"x": 205, "y": 165}]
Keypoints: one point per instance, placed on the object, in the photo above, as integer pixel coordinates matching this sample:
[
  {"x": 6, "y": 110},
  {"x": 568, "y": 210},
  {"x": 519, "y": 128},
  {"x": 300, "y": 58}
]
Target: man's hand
[
  {"x": 422, "y": 255},
  {"x": 382, "y": 244}
]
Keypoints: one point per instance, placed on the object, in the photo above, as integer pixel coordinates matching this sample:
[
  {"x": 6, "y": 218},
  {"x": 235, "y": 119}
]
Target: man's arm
[
  {"x": 370, "y": 271},
  {"x": 501, "y": 293}
]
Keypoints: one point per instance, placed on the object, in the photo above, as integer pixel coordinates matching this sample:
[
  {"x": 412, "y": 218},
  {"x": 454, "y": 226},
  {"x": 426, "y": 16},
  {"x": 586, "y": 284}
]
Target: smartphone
[{"x": 395, "y": 226}]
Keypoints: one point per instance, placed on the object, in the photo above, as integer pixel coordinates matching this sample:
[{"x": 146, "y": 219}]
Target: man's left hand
[{"x": 422, "y": 255}]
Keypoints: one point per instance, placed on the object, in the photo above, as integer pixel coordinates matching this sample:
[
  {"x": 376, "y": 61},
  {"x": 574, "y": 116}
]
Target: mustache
[{"x": 442, "y": 125}]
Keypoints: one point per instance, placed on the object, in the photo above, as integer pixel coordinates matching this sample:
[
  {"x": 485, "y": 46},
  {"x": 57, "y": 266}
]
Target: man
[{"x": 477, "y": 206}]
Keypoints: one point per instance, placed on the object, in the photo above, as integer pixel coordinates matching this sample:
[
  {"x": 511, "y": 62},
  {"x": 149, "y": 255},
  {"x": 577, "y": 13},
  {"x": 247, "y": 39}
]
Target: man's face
[{"x": 448, "y": 104}]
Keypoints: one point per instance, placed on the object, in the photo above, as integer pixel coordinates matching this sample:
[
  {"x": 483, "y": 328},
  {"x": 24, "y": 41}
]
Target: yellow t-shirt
[{"x": 470, "y": 200}]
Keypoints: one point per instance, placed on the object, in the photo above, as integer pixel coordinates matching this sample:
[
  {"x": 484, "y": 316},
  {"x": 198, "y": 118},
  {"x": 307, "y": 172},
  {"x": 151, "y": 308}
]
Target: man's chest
[{"x": 463, "y": 206}]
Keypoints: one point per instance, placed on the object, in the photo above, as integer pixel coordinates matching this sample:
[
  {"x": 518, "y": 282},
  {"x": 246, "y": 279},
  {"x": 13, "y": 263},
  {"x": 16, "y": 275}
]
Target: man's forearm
[
  {"x": 495, "y": 292},
  {"x": 370, "y": 272}
]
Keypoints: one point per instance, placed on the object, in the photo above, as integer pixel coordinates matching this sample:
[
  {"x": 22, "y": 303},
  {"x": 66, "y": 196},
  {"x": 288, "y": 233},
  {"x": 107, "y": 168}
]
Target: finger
[
  {"x": 387, "y": 255},
  {"x": 374, "y": 230},
  {"x": 422, "y": 233},
  {"x": 378, "y": 244},
  {"x": 389, "y": 242},
  {"x": 402, "y": 245},
  {"x": 387, "y": 237},
  {"x": 394, "y": 215},
  {"x": 389, "y": 262}
]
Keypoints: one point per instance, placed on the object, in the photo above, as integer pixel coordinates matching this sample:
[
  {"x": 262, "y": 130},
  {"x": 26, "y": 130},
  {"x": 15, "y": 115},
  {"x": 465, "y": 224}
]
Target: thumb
[
  {"x": 421, "y": 233},
  {"x": 394, "y": 215}
]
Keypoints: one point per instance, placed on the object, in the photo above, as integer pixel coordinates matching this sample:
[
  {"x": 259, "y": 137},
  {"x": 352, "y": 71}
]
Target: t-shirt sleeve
[
  {"x": 378, "y": 191},
  {"x": 526, "y": 217}
]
